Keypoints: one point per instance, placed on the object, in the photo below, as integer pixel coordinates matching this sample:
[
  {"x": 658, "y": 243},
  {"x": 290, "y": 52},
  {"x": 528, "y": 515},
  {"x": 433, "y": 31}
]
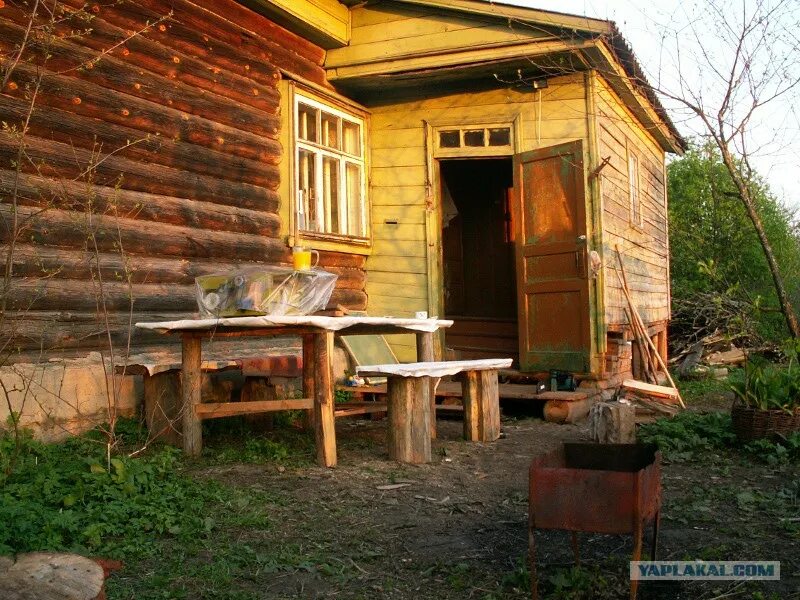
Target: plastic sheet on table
[{"x": 275, "y": 291}]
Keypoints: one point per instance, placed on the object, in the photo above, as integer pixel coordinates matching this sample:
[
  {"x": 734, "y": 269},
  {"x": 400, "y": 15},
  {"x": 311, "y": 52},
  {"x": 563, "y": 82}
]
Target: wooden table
[{"x": 317, "y": 334}]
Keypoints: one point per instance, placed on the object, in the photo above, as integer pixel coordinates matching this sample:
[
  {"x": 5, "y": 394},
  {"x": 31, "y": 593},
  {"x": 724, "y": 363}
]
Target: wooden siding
[
  {"x": 188, "y": 114},
  {"x": 397, "y": 274},
  {"x": 645, "y": 247},
  {"x": 390, "y": 31}
]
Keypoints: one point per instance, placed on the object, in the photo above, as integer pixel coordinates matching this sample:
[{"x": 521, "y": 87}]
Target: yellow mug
[{"x": 301, "y": 258}]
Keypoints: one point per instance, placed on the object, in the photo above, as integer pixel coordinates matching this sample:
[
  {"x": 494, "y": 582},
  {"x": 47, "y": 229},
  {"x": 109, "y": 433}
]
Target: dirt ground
[{"x": 456, "y": 528}]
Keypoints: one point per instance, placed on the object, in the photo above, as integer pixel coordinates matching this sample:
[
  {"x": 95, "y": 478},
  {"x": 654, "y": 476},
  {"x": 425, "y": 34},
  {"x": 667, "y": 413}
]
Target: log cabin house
[{"x": 474, "y": 160}]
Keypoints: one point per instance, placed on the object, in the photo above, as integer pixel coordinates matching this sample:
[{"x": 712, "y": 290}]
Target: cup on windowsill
[{"x": 301, "y": 258}]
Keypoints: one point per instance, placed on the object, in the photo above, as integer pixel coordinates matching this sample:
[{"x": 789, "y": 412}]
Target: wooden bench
[
  {"x": 410, "y": 405},
  {"x": 162, "y": 391}
]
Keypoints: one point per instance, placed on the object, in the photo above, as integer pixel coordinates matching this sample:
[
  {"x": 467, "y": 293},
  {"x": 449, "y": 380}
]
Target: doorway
[{"x": 478, "y": 258}]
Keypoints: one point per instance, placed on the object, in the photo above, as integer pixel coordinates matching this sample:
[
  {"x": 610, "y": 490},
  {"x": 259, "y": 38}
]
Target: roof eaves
[{"x": 622, "y": 51}]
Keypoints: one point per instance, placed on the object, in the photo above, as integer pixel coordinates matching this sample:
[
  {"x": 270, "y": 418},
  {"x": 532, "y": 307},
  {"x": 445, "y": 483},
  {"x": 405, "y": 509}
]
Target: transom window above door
[
  {"x": 495, "y": 139},
  {"x": 330, "y": 181}
]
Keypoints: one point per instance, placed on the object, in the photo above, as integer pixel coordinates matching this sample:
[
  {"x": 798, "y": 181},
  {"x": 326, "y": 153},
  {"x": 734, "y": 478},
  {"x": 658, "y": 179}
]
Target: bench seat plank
[{"x": 434, "y": 369}]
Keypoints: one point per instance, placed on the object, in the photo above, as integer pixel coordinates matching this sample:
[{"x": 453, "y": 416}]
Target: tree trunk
[{"x": 752, "y": 213}]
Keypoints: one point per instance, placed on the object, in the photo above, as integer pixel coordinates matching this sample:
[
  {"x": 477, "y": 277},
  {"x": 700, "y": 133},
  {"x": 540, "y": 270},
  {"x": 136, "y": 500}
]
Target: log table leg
[
  {"x": 324, "y": 421},
  {"x": 425, "y": 353},
  {"x": 191, "y": 381},
  {"x": 481, "y": 396},
  {"x": 410, "y": 418}
]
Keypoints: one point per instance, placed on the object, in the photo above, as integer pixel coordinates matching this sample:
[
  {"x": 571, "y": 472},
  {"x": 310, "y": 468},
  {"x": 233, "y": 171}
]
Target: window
[
  {"x": 633, "y": 190},
  {"x": 330, "y": 190},
  {"x": 480, "y": 137}
]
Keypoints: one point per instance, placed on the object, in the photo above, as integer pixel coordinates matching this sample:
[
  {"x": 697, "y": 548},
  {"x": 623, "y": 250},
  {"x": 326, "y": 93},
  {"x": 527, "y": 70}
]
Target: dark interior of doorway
[{"x": 478, "y": 258}]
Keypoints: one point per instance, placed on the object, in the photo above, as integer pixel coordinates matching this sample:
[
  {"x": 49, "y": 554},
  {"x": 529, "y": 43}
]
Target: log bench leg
[
  {"x": 191, "y": 381},
  {"x": 481, "y": 396},
  {"x": 409, "y": 416},
  {"x": 162, "y": 406}
]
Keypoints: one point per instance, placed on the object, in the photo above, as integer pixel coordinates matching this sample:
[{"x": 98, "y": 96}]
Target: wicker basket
[{"x": 752, "y": 423}]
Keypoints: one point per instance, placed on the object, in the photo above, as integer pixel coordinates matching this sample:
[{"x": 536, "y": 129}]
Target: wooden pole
[
  {"x": 409, "y": 419},
  {"x": 191, "y": 382},
  {"x": 481, "y": 398},
  {"x": 425, "y": 353},
  {"x": 324, "y": 420},
  {"x": 308, "y": 376},
  {"x": 626, "y": 291}
]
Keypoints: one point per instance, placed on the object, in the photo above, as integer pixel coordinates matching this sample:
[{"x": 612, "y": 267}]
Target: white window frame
[{"x": 320, "y": 151}]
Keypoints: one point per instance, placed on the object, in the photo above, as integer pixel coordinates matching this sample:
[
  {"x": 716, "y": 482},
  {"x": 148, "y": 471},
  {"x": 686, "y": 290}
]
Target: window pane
[
  {"x": 330, "y": 193},
  {"x": 500, "y": 137},
  {"x": 306, "y": 185},
  {"x": 351, "y": 136},
  {"x": 355, "y": 205},
  {"x": 330, "y": 131},
  {"x": 449, "y": 139},
  {"x": 473, "y": 137},
  {"x": 633, "y": 189},
  {"x": 307, "y": 123}
]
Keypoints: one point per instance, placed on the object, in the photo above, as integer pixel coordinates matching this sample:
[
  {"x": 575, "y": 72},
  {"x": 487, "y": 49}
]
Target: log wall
[{"x": 182, "y": 123}]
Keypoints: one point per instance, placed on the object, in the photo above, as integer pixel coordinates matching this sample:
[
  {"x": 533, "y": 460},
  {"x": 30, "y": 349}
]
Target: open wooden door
[{"x": 551, "y": 259}]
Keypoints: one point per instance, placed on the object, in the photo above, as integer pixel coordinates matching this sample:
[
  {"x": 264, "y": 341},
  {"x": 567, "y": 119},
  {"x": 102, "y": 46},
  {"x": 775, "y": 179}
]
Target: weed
[
  {"x": 686, "y": 434},
  {"x": 778, "y": 451}
]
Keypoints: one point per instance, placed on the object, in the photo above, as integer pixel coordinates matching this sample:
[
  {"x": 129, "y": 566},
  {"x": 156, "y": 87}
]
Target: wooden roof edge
[
  {"x": 615, "y": 60},
  {"x": 521, "y": 13}
]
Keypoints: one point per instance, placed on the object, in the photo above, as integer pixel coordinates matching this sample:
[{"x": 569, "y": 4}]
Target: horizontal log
[
  {"x": 113, "y": 74},
  {"x": 215, "y": 410},
  {"x": 174, "y": 36},
  {"x": 351, "y": 299},
  {"x": 143, "y": 53},
  {"x": 59, "y": 228},
  {"x": 59, "y": 263},
  {"x": 87, "y": 133},
  {"x": 32, "y": 335},
  {"x": 253, "y": 23},
  {"x": 83, "y": 98},
  {"x": 78, "y": 197},
  {"x": 58, "y": 160},
  {"x": 231, "y": 24}
]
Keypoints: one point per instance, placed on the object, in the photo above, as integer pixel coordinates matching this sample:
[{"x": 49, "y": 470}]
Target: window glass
[
  {"x": 307, "y": 210},
  {"x": 330, "y": 193},
  {"x": 307, "y": 123},
  {"x": 473, "y": 137},
  {"x": 450, "y": 139},
  {"x": 633, "y": 189},
  {"x": 355, "y": 213},
  {"x": 330, "y": 131},
  {"x": 351, "y": 136},
  {"x": 500, "y": 136}
]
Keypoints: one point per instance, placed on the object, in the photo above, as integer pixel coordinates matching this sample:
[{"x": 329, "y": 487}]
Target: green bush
[{"x": 68, "y": 497}]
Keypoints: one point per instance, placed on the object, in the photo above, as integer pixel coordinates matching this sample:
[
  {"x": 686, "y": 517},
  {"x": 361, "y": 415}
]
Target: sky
[{"x": 678, "y": 40}]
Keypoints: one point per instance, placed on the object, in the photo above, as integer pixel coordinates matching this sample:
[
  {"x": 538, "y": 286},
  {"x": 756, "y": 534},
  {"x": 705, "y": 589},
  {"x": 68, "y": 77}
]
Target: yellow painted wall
[
  {"x": 389, "y": 31},
  {"x": 397, "y": 269},
  {"x": 646, "y": 247}
]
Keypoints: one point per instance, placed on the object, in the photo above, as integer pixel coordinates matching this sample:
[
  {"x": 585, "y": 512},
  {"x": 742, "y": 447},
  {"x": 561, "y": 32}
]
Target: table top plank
[
  {"x": 295, "y": 325},
  {"x": 433, "y": 369}
]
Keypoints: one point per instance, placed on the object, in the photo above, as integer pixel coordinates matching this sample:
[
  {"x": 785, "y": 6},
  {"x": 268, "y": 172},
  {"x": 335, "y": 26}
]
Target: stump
[
  {"x": 49, "y": 576},
  {"x": 613, "y": 423}
]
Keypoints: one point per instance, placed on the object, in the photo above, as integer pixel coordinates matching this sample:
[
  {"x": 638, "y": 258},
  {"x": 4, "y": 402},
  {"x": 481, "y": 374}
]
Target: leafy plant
[
  {"x": 67, "y": 497},
  {"x": 769, "y": 387},
  {"x": 687, "y": 433},
  {"x": 779, "y": 451}
]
